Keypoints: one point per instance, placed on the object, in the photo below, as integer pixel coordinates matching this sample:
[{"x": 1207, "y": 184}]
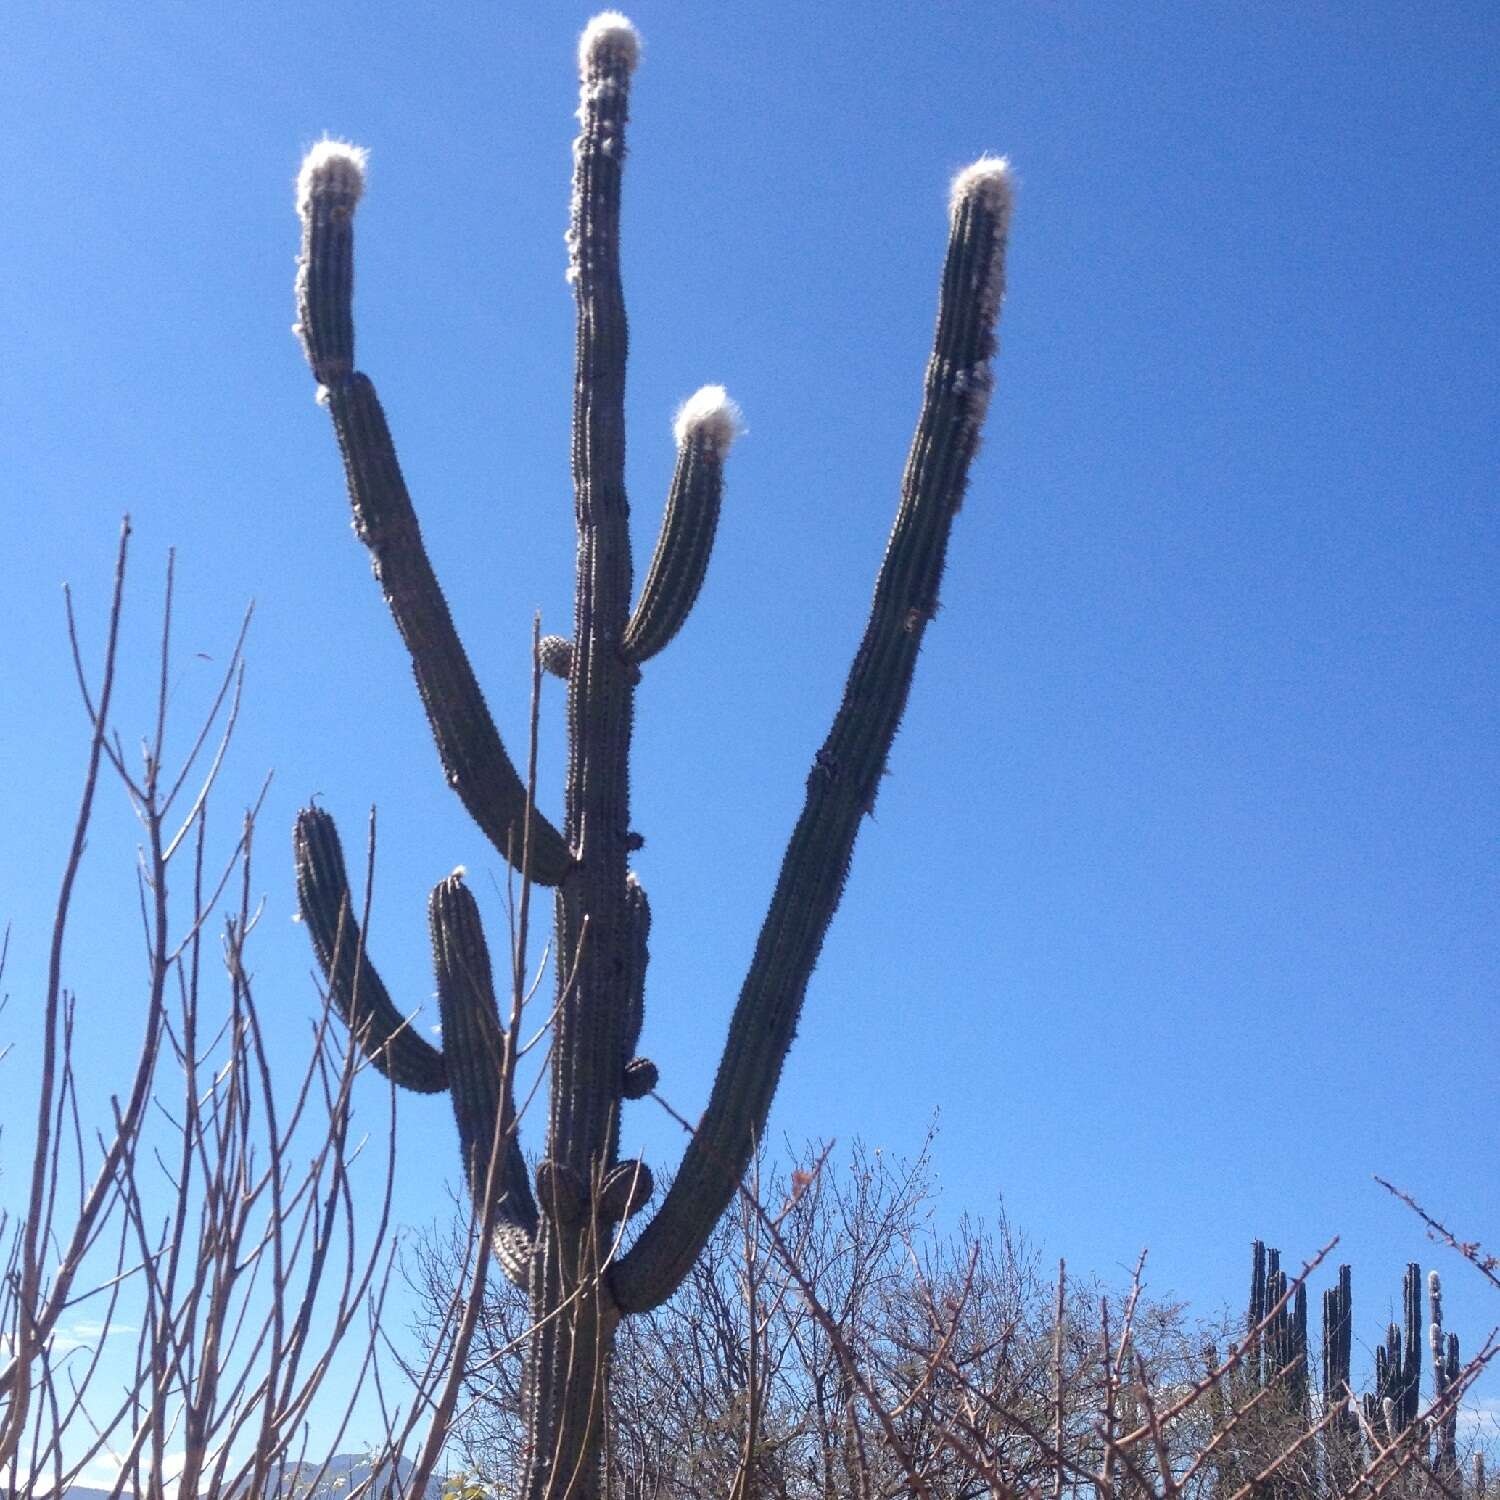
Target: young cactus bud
[
  {"x": 328, "y": 189},
  {"x": 625, "y": 1191},
  {"x": 555, "y": 653},
  {"x": 641, "y": 1076},
  {"x": 559, "y": 1191}
]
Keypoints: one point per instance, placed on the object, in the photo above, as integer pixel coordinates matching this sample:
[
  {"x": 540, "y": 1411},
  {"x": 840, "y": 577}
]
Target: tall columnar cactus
[
  {"x": 1392, "y": 1407},
  {"x": 1338, "y": 1326},
  {"x": 1445, "y": 1367},
  {"x": 1282, "y": 1346},
  {"x": 556, "y": 1239}
]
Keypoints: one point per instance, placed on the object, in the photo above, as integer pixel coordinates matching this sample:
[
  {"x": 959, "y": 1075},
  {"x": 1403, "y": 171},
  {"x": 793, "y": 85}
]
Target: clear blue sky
[{"x": 1181, "y": 901}]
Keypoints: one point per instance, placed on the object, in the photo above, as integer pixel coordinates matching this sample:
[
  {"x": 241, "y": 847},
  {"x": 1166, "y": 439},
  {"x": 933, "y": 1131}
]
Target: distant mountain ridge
[{"x": 340, "y": 1475}]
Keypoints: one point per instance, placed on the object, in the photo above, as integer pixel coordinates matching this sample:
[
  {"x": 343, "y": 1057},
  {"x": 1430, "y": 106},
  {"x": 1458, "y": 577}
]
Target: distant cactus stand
[
  {"x": 555, "y": 1237},
  {"x": 1275, "y": 1360}
]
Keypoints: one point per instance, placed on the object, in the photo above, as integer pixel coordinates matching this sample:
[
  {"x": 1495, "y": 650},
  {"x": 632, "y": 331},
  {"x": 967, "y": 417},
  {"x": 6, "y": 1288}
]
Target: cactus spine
[{"x": 555, "y": 1241}]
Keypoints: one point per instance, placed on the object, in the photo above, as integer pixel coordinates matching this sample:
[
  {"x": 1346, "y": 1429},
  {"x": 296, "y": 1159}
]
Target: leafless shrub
[
  {"x": 218, "y": 1231},
  {"x": 834, "y": 1343}
]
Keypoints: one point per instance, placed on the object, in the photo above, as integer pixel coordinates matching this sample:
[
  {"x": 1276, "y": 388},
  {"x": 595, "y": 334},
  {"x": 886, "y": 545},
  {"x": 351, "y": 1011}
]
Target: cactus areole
[{"x": 557, "y": 1235}]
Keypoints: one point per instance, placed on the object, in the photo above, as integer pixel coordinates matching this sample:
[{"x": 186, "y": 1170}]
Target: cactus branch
[
  {"x": 706, "y": 425},
  {"x": 357, "y": 990},
  {"x": 328, "y": 190},
  {"x": 846, "y": 771},
  {"x": 474, "y": 758},
  {"x": 481, "y": 1069}
]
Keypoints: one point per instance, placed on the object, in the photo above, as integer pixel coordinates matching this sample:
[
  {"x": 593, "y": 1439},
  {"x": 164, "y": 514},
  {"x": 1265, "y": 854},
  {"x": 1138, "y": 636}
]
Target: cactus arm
[
  {"x": 640, "y": 1074},
  {"x": 481, "y": 1071},
  {"x": 1256, "y": 1313},
  {"x": 474, "y": 759},
  {"x": 705, "y": 427},
  {"x": 637, "y": 958},
  {"x": 329, "y": 188},
  {"x": 842, "y": 784},
  {"x": 1299, "y": 1386},
  {"x": 364, "y": 1002},
  {"x": 1448, "y": 1423}
]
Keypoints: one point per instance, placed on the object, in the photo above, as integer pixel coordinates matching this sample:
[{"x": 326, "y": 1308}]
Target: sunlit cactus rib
[{"x": 561, "y": 1241}]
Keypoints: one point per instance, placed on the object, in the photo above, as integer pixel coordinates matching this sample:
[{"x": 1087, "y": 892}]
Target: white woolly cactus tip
[
  {"x": 332, "y": 164},
  {"x": 708, "y": 414},
  {"x": 609, "y": 31},
  {"x": 990, "y": 179}
]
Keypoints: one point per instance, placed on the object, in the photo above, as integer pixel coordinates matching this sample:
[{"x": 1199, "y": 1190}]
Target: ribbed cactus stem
[
  {"x": 705, "y": 427},
  {"x": 385, "y": 1034},
  {"x": 1435, "y": 1330},
  {"x": 1445, "y": 1368},
  {"x": 1255, "y": 1315},
  {"x": 481, "y": 1068},
  {"x": 328, "y": 189},
  {"x": 1338, "y": 1322},
  {"x": 1297, "y": 1351},
  {"x": 567, "y": 1364},
  {"x": 637, "y": 957},
  {"x": 846, "y": 771},
  {"x": 473, "y": 756},
  {"x": 587, "y": 1051},
  {"x": 1409, "y": 1398}
]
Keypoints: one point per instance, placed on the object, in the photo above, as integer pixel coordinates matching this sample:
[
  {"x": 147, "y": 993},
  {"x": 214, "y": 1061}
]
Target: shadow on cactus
[{"x": 555, "y": 1238}]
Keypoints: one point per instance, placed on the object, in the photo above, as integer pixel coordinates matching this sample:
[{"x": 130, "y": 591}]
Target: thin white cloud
[
  {"x": 1481, "y": 1418},
  {"x": 103, "y": 1473}
]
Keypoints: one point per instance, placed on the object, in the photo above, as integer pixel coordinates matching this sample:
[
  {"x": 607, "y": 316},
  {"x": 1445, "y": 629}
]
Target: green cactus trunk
[{"x": 561, "y": 1242}]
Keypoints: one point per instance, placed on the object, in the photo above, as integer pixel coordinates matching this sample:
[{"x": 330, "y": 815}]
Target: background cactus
[
  {"x": 1392, "y": 1409},
  {"x": 557, "y": 1240},
  {"x": 1393, "y": 1404}
]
